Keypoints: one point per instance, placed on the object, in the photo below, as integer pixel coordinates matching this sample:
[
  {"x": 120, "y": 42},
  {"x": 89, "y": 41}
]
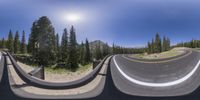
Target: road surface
[
  {"x": 178, "y": 76},
  {"x": 113, "y": 90}
]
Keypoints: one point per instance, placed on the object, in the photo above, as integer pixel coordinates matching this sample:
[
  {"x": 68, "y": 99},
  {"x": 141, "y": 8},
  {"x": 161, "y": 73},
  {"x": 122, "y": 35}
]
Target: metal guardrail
[
  {"x": 51, "y": 85},
  {"x": 86, "y": 95},
  {"x": 2, "y": 62},
  {"x": 38, "y": 72}
]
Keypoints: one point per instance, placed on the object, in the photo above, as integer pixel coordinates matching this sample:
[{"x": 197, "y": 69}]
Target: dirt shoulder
[
  {"x": 166, "y": 54},
  {"x": 60, "y": 75},
  {"x": 39, "y": 91}
]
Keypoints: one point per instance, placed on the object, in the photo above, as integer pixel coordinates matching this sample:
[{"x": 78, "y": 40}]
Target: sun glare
[{"x": 72, "y": 17}]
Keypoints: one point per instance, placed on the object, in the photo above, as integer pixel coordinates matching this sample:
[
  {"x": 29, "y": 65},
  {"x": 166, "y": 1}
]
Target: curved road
[
  {"x": 117, "y": 87},
  {"x": 170, "y": 78}
]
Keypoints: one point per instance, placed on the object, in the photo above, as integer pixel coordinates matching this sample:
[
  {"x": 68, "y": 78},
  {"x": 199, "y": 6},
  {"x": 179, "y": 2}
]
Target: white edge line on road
[
  {"x": 171, "y": 83},
  {"x": 0, "y": 55}
]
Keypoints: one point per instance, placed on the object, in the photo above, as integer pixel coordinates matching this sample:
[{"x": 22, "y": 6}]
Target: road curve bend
[{"x": 157, "y": 79}]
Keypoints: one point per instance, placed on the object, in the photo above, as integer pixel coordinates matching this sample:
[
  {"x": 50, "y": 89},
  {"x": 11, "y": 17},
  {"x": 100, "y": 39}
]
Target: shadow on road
[{"x": 5, "y": 90}]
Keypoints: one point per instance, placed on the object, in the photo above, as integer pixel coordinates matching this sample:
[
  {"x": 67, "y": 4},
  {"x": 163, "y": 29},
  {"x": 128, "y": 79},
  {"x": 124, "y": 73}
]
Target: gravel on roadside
[
  {"x": 35, "y": 90},
  {"x": 59, "y": 77}
]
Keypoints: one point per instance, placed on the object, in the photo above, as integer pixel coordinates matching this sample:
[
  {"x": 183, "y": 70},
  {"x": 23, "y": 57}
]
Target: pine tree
[
  {"x": 45, "y": 41},
  {"x": 105, "y": 50},
  {"x": 54, "y": 41},
  {"x": 57, "y": 42},
  {"x": 158, "y": 44},
  {"x": 16, "y": 43},
  {"x": 57, "y": 45},
  {"x": 153, "y": 46},
  {"x": 3, "y": 43},
  {"x": 64, "y": 47},
  {"x": 33, "y": 39},
  {"x": 168, "y": 44},
  {"x": 149, "y": 48},
  {"x": 198, "y": 44},
  {"x": 98, "y": 51},
  {"x": 23, "y": 44},
  {"x": 108, "y": 48},
  {"x": 82, "y": 54},
  {"x": 10, "y": 45},
  {"x": 113, "y": 49},
  {"x": 164, "y": 44},
  {"x": 73, "y": 56},
  {"x": 193, "y": 43},
  {"x": 87, "y": 52}
]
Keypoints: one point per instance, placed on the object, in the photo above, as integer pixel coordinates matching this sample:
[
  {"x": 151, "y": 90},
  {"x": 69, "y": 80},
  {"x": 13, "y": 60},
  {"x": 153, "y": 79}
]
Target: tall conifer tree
[
  {"x": 23, "y": 44},
  {"x": 87, "y": 52},
  {"x": 10, "y": 44},
  {"x": 73, "y": 56}
]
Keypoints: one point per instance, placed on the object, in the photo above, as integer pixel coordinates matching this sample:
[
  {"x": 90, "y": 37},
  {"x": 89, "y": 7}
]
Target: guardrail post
[
  {"x": 15, "y": 57},
  {"x": 42, "y": 73},
  {"x": 95, "y": 63},
  {"x": 38, "y": 72}
]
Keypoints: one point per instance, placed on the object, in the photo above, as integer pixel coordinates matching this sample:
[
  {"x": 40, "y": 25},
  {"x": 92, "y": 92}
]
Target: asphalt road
[
  {"x": 172, "y": 78},
  {"x": 111, "y": 90}
]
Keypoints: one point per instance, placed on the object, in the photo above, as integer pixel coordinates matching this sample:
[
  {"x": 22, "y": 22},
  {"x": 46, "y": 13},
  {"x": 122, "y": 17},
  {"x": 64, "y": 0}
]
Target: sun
[{"x": 73, "y": 17}]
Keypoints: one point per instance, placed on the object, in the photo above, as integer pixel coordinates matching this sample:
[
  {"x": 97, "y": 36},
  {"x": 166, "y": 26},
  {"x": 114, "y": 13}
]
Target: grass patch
[
  {"x": 138, "y": 55},
  {"x": 59, "y": 69},
  {"x": 197, "y": 48},
  {"x": 166, "y": 54},
  {"x": 62, "y": 70}
]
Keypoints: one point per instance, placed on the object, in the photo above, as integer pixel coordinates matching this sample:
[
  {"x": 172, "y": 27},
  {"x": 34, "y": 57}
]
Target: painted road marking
[
  {"x": 0, "y": 55},
  {"x": 165, "y": 84}
]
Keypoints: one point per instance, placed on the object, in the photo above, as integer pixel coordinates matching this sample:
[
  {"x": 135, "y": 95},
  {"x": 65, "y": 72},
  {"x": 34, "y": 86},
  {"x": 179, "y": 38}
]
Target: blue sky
[{"x": 129, "y": 23}]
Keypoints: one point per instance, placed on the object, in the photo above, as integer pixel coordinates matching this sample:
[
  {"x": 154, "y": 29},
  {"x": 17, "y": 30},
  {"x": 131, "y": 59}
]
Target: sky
[{"x": 129, "y": 23}]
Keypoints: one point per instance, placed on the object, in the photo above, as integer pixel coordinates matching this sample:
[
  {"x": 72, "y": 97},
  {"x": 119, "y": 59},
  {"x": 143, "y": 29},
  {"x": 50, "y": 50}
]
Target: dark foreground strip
[{"x": 50, "y": 85}]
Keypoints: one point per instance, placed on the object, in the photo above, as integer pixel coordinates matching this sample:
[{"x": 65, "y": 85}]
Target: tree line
[
  {"x": 158, "y": 45},
  {"x": 45, "y": 47},
  {"x": 100, "y": 50},
  {"x": 191, "y": 44},
  {"x": 124, "y": 50},
  {"x": 14, "y": 44}
]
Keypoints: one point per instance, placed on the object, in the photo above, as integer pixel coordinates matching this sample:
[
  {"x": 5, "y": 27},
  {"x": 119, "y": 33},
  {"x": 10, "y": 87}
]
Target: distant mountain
[{"x": 96, "y": 42}]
